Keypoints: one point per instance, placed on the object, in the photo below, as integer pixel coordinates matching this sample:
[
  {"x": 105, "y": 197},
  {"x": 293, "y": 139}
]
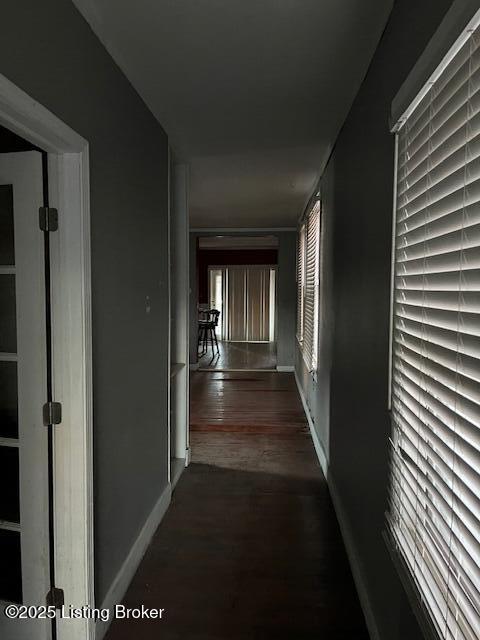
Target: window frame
[
  {"x": 418, "y": 600},
  {"x": 309, "y": 352},
  {"x": 300, "y": 275}
]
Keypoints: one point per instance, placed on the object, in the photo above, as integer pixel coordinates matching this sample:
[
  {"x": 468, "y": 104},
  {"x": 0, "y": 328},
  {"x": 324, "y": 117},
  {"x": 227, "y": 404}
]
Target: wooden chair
[{"x": 207, "y": 332}]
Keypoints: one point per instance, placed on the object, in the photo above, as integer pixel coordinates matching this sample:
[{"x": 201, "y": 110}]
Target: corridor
[
  {"x": 250, "y": 548},
  {"x": 298, "y": 181}
]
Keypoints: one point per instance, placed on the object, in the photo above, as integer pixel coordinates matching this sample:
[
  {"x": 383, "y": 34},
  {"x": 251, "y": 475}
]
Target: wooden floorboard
[
  {"x": 250, "y": 548},
  {"x": 240, "y": 355}
]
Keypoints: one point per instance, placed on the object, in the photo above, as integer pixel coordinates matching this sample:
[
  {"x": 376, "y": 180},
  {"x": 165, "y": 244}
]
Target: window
[
  {"x": 308, "y": 260},
  {"x": 245, "y": 297},
  {"x": 434, "y": 513},
  {"x": 300, "y": 282}
]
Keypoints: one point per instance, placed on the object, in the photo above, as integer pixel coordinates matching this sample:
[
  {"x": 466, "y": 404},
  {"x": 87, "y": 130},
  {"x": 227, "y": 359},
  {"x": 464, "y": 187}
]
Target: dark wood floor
[
  {"x": 240, "y": 355},
  {"x": 250, "y": 548}
]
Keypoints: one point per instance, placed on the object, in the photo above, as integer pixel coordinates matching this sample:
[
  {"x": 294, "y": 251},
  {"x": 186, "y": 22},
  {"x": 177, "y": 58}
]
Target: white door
[{"x": 24, "y": 540}]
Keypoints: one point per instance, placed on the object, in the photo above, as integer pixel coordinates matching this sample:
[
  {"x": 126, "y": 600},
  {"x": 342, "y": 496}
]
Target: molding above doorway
[{"x": 258, "y": 230}]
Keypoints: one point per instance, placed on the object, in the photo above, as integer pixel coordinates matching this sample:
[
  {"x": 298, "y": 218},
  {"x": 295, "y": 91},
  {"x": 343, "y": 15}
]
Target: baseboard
[
  {"x": 177, "y": 467},
  {"x": 194, "y": 366},
  {"x": 127, "y": 571},
  {"x": 355, "y": 563},
  {"x": 322, "y": 458},
  {"x": 289, "y": 368},
  {"x": 345, "y": 529}
]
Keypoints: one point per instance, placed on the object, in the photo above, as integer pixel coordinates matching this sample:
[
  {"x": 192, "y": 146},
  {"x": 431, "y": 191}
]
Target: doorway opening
[
  {"x": 46, "y": 523},
  {"x": 245, "y": 298},
  {"x": 178, "y": 392},
  {"x": 237, "y": 302}
]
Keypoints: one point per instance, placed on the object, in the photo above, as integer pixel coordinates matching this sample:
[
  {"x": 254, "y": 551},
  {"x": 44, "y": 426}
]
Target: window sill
[
  {"x": 311, "y": 372},
  {"x": 412, "y": 592}
]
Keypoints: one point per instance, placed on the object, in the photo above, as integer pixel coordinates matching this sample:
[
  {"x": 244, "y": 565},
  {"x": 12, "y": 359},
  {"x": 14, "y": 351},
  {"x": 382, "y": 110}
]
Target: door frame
[
  {"x": 178, "y": 336},
  {"x": 69, "y": 192}
]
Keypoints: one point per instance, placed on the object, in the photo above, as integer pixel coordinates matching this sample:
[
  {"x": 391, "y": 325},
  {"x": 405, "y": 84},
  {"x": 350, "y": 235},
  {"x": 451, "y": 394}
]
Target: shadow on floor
[
  {"x": 250, "y": 548},
  {"x": 246, "y": 555}
]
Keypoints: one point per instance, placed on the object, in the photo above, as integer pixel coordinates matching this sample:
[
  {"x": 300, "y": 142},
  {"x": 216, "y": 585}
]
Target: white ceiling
[{"x": 252, "y": 93}]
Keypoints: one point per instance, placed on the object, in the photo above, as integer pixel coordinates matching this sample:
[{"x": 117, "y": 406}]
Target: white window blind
[
  {"x": 434, "y": 513},
  {"x": 308, "y": 291},
  {"x": 300, "y": 281}
]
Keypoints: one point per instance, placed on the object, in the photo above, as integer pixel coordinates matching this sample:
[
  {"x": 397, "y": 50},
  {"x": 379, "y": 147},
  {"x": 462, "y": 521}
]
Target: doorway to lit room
[{"x": 237, "y": 303}]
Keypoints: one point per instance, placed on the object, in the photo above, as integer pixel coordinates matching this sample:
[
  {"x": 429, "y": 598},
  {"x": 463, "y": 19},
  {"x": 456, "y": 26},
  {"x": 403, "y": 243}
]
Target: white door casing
[{"x": 68, "y": 168}]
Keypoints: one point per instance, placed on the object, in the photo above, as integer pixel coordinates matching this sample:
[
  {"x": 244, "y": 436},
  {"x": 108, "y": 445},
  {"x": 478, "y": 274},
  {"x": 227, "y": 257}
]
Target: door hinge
[
  {"x": 48, "y": 219},
  {"x": 56, "y": 598},
  {"x": 52, "y": 413}
]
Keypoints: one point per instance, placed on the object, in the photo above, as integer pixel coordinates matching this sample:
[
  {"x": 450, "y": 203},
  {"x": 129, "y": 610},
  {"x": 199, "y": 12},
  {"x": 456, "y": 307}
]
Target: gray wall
[
  {"x": 286, "y": 293},
  {"x": 349, "y": 399},
  {"x": 48, "y": 50},
  {"x": 286, "y": 298}
]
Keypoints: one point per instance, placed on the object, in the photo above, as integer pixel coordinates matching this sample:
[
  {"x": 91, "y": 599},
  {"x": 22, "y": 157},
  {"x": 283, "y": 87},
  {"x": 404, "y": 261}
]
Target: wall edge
[
  {"x": 130, "y": 565},
  {"x": 345, "y": 529}
]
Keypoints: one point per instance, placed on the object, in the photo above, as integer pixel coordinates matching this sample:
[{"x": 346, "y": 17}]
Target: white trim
[
  {"x": 132, "y": 561},
  {"x": 176, "y": 368},
  {"x": 308, "y": 367},
  {"x": 69, "y": 189},
  {"x": 169, "y": 306},
  {"x": 284, "y": 368},
  {"x": 72, "y": 382},
  {"x": 392, "y": 275},
  {"x": 249, "y": 341},
  {"x": 428, "y": 55},
  {"x": 345, "y": 529},
  {"x": 6, "y": 271},
  {"x": 178, "y": 467},
  {"x": 259, "y": 230},
  {"x": 239, "y": 267},
  {"x": 8, "y": 357},
  {"x": 10, "y": 442},
  {"x": 316, "y": 190},
  {"x": 29, "y": 119},
  {"x": 226, "y": 370},
  {"x": 5, "y": 525},
  {"x": 179, "y": 185}
]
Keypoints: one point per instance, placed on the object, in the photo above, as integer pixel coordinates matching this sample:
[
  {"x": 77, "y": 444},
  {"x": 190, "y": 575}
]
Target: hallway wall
[
  {"x": 348, "y": 401},
  {"x": 49, "y": 51},
  {"x": 286, "y": 298},
  {"x": 286, "y": 293}
]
